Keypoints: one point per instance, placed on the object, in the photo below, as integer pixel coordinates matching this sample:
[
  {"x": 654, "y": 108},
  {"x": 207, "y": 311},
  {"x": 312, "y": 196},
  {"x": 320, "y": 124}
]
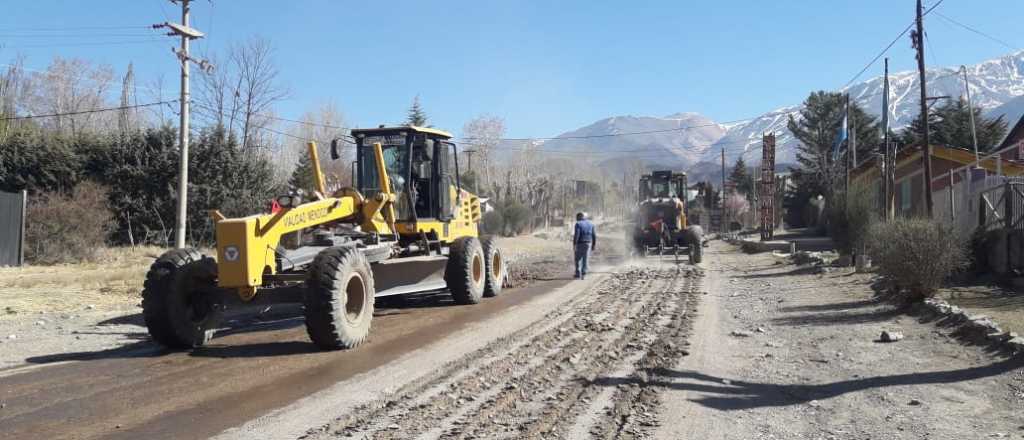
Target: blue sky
[{"x": 545, "y": 66}]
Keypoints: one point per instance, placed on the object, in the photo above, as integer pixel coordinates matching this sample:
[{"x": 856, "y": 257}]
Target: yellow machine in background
[
  {"x": 660, "y": 222},
  {"x": 406, "y": 227}
]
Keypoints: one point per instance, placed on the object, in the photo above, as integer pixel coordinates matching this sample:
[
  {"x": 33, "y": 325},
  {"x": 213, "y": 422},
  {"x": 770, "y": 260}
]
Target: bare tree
[
  {"x": 484, "y": 134},
  {"x": 215, "y": 95},
  {"x": 13, "y": 85},
  {"x": 257, "y": 85},
  {"x": 321, "y": 124},
  {"x": 154, "y": 91},
  {"x": 126, "y": 116},
  {"x": 72, "y": 85},
  {"x": 240, "y": 93}
]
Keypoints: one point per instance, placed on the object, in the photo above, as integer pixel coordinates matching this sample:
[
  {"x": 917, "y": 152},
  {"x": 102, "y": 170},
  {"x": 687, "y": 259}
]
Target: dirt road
[
  {"x": 745, "y": 347},
  {"x": 134, "y": 389},
  {"x": 781, "y": 352},
  {"x": 571, "y": 374}
]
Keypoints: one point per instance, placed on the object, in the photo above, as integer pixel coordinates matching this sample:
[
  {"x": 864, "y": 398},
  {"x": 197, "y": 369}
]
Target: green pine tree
[
  {"x": 820, "y": 120},
  {"x": 302, "y": 176},
  {"x": 742, "y": 178},
  {"x": 416, "y": 116},
  {"x": 950, "y": 125}
]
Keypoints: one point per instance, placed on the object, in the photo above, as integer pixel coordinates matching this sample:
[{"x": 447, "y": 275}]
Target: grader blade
[{"x": 409, "y": 275}]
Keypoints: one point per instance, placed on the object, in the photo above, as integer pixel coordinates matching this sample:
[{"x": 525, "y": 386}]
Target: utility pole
[
  {"x": 926, "y": 151},
  {"x": 721, "y": 195},
  {"x": 849, "y": 142},
  {"x": 469, "y": 168},
  {"x": 970, "y": 108},
  {"x": 469, "y": 160},
  {"x": 187, "y": 34},
  {"x": 886, "y": 187}
]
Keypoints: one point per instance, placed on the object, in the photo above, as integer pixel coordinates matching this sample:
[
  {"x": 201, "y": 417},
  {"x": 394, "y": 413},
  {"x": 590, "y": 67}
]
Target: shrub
[
  {"x": 517, "y": 218},
  {"x": 67, "y": 228},
  {"x": 850, "y": 218},
  {"x": 493, "y": 222},
  {"x": 916, "y": 255}
]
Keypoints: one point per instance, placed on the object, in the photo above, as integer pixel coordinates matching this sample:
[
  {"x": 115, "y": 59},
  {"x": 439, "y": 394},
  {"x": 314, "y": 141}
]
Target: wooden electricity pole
[
  {"x": 926, "y": 150},
  {"x": 886, "y": 184},
  {"x": 721, "y": 196}
]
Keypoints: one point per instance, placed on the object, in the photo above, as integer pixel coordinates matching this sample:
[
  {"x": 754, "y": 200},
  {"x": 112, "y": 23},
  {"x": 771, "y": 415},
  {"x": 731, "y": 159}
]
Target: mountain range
[{"x": 997, "y": 87}]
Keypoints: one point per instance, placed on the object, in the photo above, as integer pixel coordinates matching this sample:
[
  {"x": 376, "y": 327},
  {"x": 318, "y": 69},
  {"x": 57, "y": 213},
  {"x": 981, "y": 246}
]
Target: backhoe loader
[{"x": 405, "y": 227}]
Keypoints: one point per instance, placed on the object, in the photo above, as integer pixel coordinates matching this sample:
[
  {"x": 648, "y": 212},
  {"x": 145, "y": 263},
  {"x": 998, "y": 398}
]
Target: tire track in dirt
[{"x": 576, "y": 371}]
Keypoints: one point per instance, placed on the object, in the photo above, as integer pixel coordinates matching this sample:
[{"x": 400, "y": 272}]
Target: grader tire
[
  {"x": 339, "y": 299},
  {"x": 494, "y": 263},
  {"x": 466, "y": 271},
  {"x": 180, "y": 304}
]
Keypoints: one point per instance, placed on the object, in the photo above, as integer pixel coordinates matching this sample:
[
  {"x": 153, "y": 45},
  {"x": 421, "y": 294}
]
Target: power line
[
  {"x": 889, "y": 46},
  {"x": 77, "y": 35},
  {"x": 598, "y": 136},
  {"x": 99, "y": 110},
  {"x": 74, "y": 77},
  {"x": 969, "y": 28},
  {"x": 931, "y": 50},
  {"x": 67, "y": 28},
  {"x": 212, "y": 113},
  {"x": 100, "y": 43}
]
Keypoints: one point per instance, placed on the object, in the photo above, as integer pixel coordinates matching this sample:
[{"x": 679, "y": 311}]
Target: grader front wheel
[
  {"x": 339, "y": 299},
  {"x": 180, "y": 303}
]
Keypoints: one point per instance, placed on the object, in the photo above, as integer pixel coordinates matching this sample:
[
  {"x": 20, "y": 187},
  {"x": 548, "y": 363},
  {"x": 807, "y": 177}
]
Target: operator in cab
[{"x": 584, "y": 240}]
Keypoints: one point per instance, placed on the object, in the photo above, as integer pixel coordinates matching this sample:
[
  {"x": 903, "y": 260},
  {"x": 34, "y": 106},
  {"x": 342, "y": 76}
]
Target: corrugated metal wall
[{"x": 12, "y": 228}]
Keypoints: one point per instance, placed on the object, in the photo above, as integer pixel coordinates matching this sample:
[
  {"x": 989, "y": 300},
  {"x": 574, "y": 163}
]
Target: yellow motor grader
[
  {"x": 660, "y": 223},
  {"x": 405, "y": 227}
]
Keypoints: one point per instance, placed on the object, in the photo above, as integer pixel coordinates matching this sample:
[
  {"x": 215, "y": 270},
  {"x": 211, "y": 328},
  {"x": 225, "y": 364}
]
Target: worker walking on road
[{"x": 584, "y": 240}]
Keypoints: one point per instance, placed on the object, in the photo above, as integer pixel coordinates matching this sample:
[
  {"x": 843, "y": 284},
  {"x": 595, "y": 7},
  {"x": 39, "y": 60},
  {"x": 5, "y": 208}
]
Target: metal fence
[{"x": 12, "y": 228}]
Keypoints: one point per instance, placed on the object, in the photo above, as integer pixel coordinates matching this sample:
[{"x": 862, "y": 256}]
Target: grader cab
[
  {"x": 406, "y": 227},
  {"x": 661, "y": 224}
]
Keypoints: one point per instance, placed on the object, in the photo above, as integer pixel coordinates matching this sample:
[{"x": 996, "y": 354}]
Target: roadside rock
[
  {"x": 805, "y": 257},
  {"x": 890, "y": 336}
]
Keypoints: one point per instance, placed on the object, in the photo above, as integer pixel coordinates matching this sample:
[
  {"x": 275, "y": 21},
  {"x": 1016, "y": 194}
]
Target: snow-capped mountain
[
  {"x": 660, "y": 139},
  {"x": 1011, "y": 111},
  {"x": 993, "y": 84},
  {"x": 996, "y": 87}
]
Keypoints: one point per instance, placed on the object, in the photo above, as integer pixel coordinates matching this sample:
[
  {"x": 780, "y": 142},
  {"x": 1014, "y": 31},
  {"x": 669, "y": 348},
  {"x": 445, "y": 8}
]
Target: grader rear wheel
[
  {"x": 339, "y": 299},
  {"x": 494, "y": 263},
  {"x": 466, "y": 271},
  {"x": 180, "y": 302}
]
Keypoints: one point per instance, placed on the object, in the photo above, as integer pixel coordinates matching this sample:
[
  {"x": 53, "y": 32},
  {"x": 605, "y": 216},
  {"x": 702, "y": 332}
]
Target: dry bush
[
  {"x": 916, "y": 255},
  {"x": 850, "y": 218},
  {"x": 71, "y": 228}
]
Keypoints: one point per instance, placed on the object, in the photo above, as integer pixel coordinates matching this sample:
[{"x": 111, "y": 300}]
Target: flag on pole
[{"x": 842, "y": 136}]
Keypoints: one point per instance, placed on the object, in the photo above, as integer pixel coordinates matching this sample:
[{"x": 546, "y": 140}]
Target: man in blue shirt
[{"x": 584, "y": 240}]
